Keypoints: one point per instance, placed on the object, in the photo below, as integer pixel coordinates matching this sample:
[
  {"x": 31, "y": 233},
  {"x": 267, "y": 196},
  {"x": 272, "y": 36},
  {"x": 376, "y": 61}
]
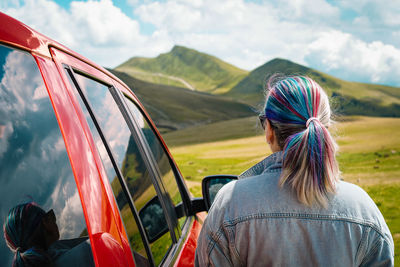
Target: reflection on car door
[{"x": 130, "y": 170}]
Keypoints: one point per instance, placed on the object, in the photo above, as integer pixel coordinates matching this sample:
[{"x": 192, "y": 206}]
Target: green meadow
[{"x": 369, "y": 156}]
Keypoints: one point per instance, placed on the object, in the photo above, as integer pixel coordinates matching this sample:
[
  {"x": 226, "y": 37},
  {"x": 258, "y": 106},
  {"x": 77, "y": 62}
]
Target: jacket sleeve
[
  {"x": 211, "y": 252},
  {"x": 213, "y": 245},
  {"x": 381, "y": 253}
]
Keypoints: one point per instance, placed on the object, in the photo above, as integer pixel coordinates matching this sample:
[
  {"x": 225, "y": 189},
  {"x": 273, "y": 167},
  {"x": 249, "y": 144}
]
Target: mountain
[
  {"x": 188, "y": 68},
  {"x": 174, "y": 108},
  {"x": 185, "y": 67},
  {"x": 348, "y": 98}
]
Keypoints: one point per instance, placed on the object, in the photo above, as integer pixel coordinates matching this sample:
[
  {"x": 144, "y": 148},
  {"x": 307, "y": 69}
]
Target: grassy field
[
  {"x": 369, "y": 156},
  {"x": 176, "y": 108},
  {"x": 219, "y": 131}
]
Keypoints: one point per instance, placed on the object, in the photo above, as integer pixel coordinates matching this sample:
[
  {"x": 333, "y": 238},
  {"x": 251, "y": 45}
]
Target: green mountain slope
[
  {"x": 187, "y": 68},
  {"x": 349, "y": 98},
  {"x": 174, "y": 108}
]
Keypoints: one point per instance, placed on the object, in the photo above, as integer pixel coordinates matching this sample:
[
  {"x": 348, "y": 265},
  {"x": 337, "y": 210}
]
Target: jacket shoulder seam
[
  {"x": 213, "y": 239},
  {"x": 300, "y": 216}
]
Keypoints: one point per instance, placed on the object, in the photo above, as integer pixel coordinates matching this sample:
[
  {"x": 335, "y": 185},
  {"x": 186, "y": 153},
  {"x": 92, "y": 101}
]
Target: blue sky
[{"x": 353, "y": 40}]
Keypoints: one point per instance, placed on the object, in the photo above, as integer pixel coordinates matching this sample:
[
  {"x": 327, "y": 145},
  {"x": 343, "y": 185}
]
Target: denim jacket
[{"x": 255, "y": 222}]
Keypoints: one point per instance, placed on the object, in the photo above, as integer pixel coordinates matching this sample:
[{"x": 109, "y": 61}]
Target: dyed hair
[
  {"x": 309, "y": 162},
  {"x": 22, "y": 230}
]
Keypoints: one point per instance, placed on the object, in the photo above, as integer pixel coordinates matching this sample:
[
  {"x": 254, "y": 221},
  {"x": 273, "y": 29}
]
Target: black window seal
[
  {"x": 168, "y": 207},
  {"x": 172, "y": 255},
  {"x": 148, "y": 158},
  {"x": 178, "y": 177},
  {"x": 112, "y": 158}
]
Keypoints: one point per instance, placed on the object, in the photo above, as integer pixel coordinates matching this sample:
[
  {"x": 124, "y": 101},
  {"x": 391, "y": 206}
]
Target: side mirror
[
  {"x": 212, "y": 184},
  {"x": 152, "y": 217}
]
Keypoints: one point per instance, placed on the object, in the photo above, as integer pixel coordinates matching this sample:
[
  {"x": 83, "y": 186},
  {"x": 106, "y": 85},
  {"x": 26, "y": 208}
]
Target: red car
[{"x": 75, "y": 139}]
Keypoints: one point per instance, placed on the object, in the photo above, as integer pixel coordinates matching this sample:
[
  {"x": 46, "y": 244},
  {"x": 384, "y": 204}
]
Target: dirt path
[
  {"x": 191, "y": 184},
  {"x": 188, "y": 85}
]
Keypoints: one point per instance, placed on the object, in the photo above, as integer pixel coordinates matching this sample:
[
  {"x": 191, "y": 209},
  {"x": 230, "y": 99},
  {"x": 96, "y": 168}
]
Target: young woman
[{"x": 291, "y": 209}]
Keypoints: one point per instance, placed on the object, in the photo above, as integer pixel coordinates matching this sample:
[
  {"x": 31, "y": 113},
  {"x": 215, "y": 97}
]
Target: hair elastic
[{"x": 310, "y": 120}]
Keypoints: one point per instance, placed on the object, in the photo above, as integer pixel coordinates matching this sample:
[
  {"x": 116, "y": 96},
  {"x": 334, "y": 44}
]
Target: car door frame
[{"x": 67, "y": 62}]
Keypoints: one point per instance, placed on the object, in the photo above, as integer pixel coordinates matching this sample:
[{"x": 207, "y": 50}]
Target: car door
[
  {"x": 189, "y": 220},
  {"x": 35, "y": 168},
  {"x": 149, "y": 192},
  {"x": 105, "y": 228}
]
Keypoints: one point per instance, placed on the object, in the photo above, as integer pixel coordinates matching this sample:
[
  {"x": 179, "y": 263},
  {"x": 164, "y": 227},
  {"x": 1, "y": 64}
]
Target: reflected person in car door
[{"x": 33, "y": 235}]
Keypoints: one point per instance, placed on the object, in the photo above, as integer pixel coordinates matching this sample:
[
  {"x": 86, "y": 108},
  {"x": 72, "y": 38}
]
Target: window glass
[
  {"x": 130, "y": 224},
  {"x": 156, "y": 147},
  {"x": 128, "y": 157},
  {"x": 34, "y": 167}
]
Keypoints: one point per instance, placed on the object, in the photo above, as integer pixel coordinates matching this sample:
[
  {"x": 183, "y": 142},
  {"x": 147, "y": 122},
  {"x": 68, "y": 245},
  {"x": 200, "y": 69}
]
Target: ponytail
[
  {"x": 298, "y": 110},
  {"x": 31, "y": 257},
  {"x": 18, "y": 259}
]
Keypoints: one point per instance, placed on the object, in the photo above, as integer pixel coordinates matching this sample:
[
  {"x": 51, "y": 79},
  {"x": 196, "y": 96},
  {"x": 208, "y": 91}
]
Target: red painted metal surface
[
  {"x": 98, "y": 206},
  {"x": 186, "y": 256},
  {"x": 108, "y": 208},
  {"x": 105, "y": 243},
  {"x": 18, "y": 34}
]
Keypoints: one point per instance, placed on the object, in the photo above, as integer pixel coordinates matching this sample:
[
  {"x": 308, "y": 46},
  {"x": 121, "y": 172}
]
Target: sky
[{"x": 355, "y": 40}]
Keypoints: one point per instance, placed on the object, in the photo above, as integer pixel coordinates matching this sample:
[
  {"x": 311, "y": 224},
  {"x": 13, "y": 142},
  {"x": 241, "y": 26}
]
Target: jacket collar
[{"x": 270, "y": 163}]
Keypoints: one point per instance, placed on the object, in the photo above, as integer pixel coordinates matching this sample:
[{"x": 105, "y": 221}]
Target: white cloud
[
  {"x": 249, "y": 34},
  {"x": 316, "y": 11},
  {"x": 211, "y": 16},
  {"x": 354, "y": 59},
  {"x": 132, "y": 2},
  {"x": 97, "y": 29},
  {"x": 246, "y": 34},
  {"x": 51, "y": 21},
  {"x": 170, "y": 18},
  {"x": 377, "y": 13},
  {"x": 370, "y": 20},
  {"x": 68, "y": 220},
  {"x": 104, "y": 23}
]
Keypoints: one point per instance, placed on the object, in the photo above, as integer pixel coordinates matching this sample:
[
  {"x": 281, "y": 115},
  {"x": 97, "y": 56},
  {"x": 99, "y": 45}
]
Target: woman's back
[
  {"x": 293, "y": 210},
  {"x": 270, "y": 227}
]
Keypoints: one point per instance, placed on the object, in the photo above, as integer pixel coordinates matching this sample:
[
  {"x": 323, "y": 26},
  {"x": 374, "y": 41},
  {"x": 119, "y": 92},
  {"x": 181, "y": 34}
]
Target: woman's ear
[
  {"x": 271, "y": 137},
  {"x": 269, "y": 132}
]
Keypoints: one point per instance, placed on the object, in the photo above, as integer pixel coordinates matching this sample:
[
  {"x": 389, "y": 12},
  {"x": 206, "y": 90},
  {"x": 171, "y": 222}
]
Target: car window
[
  {"x": 34, "y": 165},
  {"x": 131, "y": 227},
  {"x": 161, "y": 157},
  {"x": 133, "y": 167}
]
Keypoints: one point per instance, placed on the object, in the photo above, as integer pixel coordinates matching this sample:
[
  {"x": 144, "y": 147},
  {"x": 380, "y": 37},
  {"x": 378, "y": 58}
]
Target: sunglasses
[
  {"x": 50, "y": 214},
  {"x": 262, "y": 119}
]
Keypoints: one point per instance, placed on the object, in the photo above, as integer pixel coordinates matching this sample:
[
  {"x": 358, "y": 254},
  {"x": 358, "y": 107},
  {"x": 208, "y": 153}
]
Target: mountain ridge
[
  {"x": 205, "y": 72},
  {"x": 348, "y": 98}
]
